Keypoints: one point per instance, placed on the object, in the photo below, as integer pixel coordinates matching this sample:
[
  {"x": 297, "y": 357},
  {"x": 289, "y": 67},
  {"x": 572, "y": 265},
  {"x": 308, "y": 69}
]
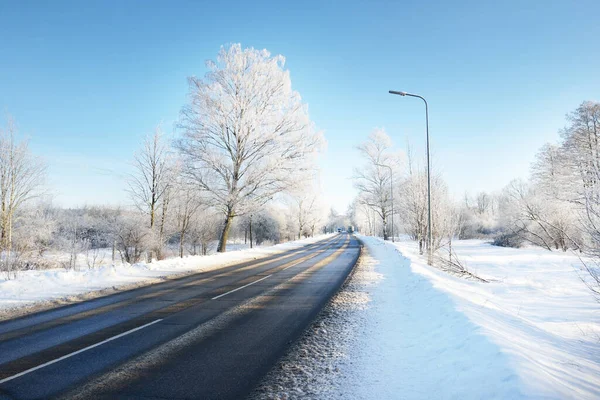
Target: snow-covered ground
[
  {"x": 32, "y": 288},
  {"x": 415, "y": 344},
  {"x": 535, "y": 309},
  {"x": 403, "y": 330}
]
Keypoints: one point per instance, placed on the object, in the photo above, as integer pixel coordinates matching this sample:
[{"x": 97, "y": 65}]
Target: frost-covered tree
[
  {"x": 187, "y": 203},
  {"x": 203, "y": 231},
  {"x": 412, "y": 208},
  {"x": 150, "y": 185},
  {"x": 246, "y": 133},
  {"x": 478, "y": 217},
  {"x": 266, "y": 228},
  {"x": 581, "y": 149},
  {"x": 305, "y": 202},
  {"x": 551, "y": 209},
  {"x": 21, "y": 178},
  {"x": 373, "y": 179},
  {"x": 529, "y": 213},
  {"x": 132, "y": 237}
]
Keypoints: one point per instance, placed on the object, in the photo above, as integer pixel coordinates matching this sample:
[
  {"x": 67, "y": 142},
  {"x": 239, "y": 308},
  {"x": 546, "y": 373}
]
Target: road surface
[{"x": 210, "y": 335}]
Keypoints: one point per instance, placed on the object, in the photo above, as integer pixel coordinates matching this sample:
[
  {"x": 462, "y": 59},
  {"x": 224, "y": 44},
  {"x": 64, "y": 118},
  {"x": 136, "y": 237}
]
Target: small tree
[
  {"x": 131, "y": 237},
  {"x": 150, "y": 185},
  {"x": 21, "y": 177},
  {"x": 187, "y": 204},
  {"x": 373, "y": 180},
  {"x": 202, "y": 232}
]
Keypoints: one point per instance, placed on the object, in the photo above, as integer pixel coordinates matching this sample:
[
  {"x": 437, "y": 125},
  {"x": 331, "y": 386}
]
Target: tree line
[
  {"x": 556, "y": 208},
  {"x": 243, "y": 163}
]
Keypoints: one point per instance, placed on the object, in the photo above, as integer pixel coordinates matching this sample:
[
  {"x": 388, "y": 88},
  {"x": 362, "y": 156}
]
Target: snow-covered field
[
  {"x": 33, "y": 288},
  {"x": 403, "y": 330},
  {"x": 536, "y": 310}
]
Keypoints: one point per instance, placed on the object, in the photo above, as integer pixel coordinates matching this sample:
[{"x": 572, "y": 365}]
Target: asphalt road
[{"x": 210, "y": 335}]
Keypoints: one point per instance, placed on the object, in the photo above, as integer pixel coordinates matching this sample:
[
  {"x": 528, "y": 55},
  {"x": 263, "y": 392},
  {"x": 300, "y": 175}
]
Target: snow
[
  {"x": 415, "y": 344},
  {"x": 402, "y": 329},
  {"x": 34, "y": 287},
  {"x": 535, "y": 309}
]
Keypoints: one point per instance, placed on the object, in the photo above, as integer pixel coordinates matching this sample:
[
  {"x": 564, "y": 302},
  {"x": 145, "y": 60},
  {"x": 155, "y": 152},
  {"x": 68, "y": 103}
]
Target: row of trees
[
  {"x": 244, "y": 162},
  {"x": 557, "y": 208},
  {"x": 372, "y": 209}
]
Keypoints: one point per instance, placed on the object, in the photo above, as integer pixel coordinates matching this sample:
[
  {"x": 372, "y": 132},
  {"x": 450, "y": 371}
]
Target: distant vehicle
[
  {"x": 351, "y": 229},
  {"x": 339, "y": 230}
]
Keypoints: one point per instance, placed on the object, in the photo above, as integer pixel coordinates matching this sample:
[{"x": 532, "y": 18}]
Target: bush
[{"x": 508, "y": 240}]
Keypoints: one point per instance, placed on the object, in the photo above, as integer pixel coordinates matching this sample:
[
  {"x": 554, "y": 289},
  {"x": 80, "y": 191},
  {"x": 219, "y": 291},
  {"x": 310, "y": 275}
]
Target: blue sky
[{"x": 87, "y": 80}]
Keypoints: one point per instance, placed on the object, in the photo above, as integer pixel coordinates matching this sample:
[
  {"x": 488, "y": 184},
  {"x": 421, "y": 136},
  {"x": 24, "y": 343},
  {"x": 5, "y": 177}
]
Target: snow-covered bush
[{"x": 132, "y": 237}]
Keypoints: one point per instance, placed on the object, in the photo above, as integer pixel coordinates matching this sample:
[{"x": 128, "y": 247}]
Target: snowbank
[
  {"x": 535, "y": 309},
  {"x": 33, "y": 287}
]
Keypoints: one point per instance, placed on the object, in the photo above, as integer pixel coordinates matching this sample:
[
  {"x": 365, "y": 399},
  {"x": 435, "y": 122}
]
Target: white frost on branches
[{"x": 247, "y": 134}]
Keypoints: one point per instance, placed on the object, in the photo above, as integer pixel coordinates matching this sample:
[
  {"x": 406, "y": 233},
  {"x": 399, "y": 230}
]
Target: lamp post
[
  {"x": 392, "y": 194},
  {"x": 429, "y": 237}
]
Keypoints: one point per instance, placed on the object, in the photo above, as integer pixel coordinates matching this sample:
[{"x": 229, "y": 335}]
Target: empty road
[{"x": 211, "y": 335}]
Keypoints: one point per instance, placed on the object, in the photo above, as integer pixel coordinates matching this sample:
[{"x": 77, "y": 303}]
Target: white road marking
[
  {"x": 77, "y": 352},
  {"x": 241, "y": 287}
]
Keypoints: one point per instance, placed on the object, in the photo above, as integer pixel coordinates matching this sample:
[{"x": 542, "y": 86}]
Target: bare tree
[
  {"x": 131, "y": 237},
  {"x": 187, "y": 204},
  {"x": 483, "y": 202},
  {"x": 150, "y": 185},
  {"x": 373, "y": 179},
  {"x": 247, "y": 134},
  {"x": 202, "y": 231}
]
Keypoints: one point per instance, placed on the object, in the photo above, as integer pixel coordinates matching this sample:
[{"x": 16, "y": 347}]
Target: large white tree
[{"x": 246, "y": 133}]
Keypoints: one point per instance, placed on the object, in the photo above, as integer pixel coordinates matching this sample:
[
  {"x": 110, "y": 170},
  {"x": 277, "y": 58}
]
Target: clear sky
[{"x": 86, "y": 80}]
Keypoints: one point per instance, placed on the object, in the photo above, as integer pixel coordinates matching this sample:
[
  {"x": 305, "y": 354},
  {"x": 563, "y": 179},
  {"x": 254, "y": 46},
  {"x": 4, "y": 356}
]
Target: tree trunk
[
  {"x": 385, "y": 231},
  {"x": 161, "y": 234},
  {"x": 181, "y": 239},
  {"x": 222, "y": 248}
]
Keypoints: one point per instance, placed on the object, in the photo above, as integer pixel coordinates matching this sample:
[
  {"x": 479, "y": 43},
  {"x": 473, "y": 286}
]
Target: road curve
[{"x": 210, "y": 335}]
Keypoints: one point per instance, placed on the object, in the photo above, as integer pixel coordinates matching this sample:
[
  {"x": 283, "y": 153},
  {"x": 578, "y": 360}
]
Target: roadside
[
  {"x": 400, "y": 329},
  {"x": 311, "y": 367},
  {"x": 34, "y": 291}
]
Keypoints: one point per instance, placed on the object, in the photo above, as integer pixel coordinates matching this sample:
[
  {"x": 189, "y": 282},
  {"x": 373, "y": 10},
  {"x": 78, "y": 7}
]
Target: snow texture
[
  {"x": 34, "y": 289},
  {"x": 411, "y": 331},
  {"x": 536, "y": 309}
]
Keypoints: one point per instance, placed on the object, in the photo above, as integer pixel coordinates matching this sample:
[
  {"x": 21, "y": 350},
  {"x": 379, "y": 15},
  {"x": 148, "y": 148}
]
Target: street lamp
[
  {"x": 429, "y": 240},
  {"x": 392, "y": 193}
]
